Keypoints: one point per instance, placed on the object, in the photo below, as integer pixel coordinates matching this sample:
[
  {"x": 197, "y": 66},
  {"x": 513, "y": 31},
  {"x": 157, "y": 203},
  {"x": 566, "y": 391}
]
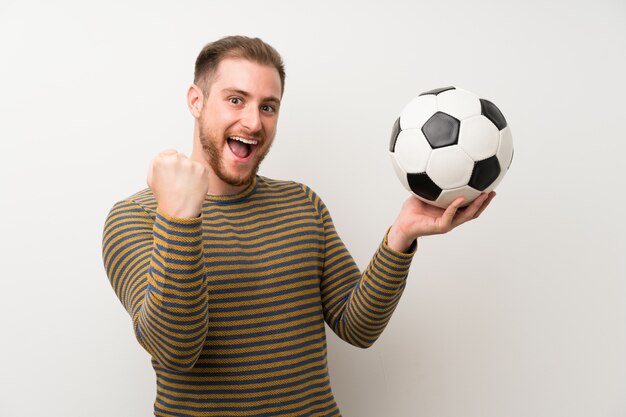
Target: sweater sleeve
[
  {"x": 155, "y": 265},
  {"x": 358, "y": 306}
]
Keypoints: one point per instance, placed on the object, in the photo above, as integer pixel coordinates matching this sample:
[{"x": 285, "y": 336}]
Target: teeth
[{"x": 248, "y": 141}]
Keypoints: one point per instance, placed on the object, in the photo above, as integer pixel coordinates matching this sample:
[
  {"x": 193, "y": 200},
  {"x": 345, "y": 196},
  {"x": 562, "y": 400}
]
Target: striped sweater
[{"x": 231, "y": 305}]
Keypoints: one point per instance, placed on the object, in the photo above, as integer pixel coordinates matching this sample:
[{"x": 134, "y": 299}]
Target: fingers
[
  {"x": 472, "y": 209},
  {"x": 178, "y": 183},
  {"x": 485, "y": 204},
  {"x": 168, "y": 152},
  {"x": 447, "y": 217},
  {"x": 164, "y": 153},
  {"x": 158, "y": 160},
  {"x": 475, "y": 209}
]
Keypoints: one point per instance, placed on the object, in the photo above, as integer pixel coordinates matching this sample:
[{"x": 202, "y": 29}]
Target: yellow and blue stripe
[{"x": 231, "y": 305}]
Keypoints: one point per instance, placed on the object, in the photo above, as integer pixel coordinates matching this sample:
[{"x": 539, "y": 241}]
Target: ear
[{"x": 195, "y": 100}]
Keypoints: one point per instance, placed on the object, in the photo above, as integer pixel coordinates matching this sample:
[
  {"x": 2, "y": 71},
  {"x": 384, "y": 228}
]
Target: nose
[{"x": 251, "y": 119}]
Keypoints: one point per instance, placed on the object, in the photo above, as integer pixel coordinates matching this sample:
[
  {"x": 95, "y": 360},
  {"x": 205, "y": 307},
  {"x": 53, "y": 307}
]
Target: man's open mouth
[{"x": 241, "y": 147}]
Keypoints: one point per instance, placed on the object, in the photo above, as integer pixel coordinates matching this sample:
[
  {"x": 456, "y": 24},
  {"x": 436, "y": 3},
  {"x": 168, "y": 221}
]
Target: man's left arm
[{"x": 358, "y": 306}]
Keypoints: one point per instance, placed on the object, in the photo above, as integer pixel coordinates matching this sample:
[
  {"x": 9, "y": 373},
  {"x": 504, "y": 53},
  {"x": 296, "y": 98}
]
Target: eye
[
  {"x": 235, "y": 100},
  {"x": 267, "y": 108}
]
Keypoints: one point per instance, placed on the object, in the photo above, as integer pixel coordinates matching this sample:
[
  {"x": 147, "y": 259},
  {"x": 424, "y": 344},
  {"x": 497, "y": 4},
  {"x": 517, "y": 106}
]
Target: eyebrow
[{"x": 270, "y": 99}]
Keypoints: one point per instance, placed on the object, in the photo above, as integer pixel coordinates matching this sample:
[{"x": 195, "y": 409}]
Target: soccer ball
[{"x": 448, "y": 143}]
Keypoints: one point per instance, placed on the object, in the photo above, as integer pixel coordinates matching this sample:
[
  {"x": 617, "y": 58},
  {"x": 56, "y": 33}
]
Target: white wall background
[{"x": 521, "y": 313}]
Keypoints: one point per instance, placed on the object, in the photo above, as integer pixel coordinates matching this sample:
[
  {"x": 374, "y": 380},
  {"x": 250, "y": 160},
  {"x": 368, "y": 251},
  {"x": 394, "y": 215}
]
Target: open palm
[{"x": 417, "y": 218}]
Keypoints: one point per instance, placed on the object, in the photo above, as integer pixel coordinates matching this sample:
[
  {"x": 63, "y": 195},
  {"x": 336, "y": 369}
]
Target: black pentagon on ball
[
  {"x": 395, "y": 131},
  {"x": 485, "y": 173},
  {"x": 493, "y": 113},
  {"x": 422, "y": 185},
  {"x": 441, "y": 130},
  {"x": 437, "y": 91}
]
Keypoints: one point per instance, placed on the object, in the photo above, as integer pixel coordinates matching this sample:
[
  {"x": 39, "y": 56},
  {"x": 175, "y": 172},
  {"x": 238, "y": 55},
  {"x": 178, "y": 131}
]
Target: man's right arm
[
  {"x": 155, "y": 261},
  {"x": 155, "y": 265}
]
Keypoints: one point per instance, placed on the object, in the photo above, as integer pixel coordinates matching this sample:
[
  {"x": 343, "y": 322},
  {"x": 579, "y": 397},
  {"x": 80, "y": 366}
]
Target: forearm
[
  {"x": 360, "y": 315},
  {"x": 155, "y": 266},
  {"x": 172, "y": 320}
]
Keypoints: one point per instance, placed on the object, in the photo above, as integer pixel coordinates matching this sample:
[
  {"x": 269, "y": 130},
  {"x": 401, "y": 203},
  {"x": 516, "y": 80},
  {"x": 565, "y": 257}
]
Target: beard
[{"x": 212, "y": 145}]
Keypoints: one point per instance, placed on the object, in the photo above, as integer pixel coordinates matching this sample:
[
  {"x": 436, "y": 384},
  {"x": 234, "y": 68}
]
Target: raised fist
[{"x": 178, "y": 183}]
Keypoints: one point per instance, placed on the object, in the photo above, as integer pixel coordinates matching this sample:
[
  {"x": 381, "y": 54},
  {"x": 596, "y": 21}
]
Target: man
[{"x": 229, "y": 276}]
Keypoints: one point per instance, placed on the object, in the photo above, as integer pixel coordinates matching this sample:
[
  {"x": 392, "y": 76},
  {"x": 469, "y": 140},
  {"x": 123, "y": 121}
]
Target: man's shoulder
[
  {"x": 283, "y": 186},
  {"x": 143, "y": 200},
  {"x": 136, "y": 212},
  {"x": 293, "y": 189}
]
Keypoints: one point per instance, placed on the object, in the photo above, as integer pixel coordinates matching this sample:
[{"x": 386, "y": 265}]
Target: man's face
[{"x": 237, "y": 123}]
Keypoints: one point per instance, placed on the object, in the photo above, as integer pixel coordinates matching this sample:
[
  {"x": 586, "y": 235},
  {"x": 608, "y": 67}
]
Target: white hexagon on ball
[
  {"x": 505, "y": 151},
  {"x": 415, "y": 114},
  {"x": 450, "y": 167},
  {"x": 400, "y": 172},
  {"x": 479, "y": 137},
  {"x": 448, "y": 196},
  {"x": 504, "y": 155},
  {"x": 459, "y": 103},
  {"x": 412, "y": 150}
]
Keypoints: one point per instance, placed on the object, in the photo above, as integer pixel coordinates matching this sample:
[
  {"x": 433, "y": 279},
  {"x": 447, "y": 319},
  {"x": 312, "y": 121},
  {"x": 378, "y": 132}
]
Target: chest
[{"x": 260, "y": 255}]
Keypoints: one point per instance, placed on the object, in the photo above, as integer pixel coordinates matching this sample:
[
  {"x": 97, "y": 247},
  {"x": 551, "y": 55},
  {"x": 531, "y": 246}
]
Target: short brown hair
[{"x": 252, "y": 49}]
